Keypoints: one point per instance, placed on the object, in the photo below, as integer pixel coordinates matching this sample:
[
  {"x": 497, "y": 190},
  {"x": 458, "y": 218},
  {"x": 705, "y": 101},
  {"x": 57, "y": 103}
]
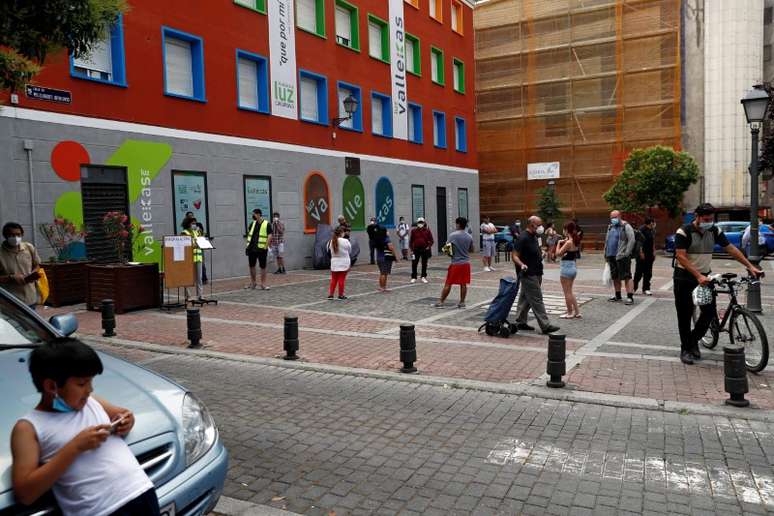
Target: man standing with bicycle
[{"x": 694, "y": 244}]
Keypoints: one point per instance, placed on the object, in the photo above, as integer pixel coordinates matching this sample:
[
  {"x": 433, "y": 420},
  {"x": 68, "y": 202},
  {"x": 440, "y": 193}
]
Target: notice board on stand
[{"x": 179, "y": 268}]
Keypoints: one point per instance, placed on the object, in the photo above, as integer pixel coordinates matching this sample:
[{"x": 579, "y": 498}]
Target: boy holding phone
[{"x": 73, "y": 443}]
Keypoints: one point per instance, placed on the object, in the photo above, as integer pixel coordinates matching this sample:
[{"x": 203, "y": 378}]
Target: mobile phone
[{"x": 114, "y": 424}]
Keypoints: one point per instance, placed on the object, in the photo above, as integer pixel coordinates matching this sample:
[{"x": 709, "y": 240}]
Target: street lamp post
[
  {"x": 350, "y": 106},
  {"x": 755, "y": 104}
]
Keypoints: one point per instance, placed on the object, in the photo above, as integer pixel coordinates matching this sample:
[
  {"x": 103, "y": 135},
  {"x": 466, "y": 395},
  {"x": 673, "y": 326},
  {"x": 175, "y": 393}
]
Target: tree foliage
[
  {"x": 656, "y": 177},
  {"x": 549, "y": 207},
  {"x": 30, "y": 30}
]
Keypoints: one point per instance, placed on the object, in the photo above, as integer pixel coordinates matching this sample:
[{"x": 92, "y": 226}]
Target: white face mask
[
  {"x": 276, "y": 219},
  {"x": 540, "y": 230},
  {"x": 14, "y": 241},
  {"x": 420, "y": 224}
]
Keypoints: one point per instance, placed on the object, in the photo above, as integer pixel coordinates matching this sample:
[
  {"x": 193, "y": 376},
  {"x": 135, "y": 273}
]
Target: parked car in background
[
  {"x": 503, "y": 239},
  {"x": 174, "y": 437},
  {"x": 733, "y": 231}
]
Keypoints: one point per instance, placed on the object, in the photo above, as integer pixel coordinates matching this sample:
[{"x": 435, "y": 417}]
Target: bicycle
[{"x": 743, "y": 327}]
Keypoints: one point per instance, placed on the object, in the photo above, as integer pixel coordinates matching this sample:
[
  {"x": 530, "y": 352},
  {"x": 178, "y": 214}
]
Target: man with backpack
[
  {"x": 619, "y": 244},
  {"x": 645, "y": 254}
]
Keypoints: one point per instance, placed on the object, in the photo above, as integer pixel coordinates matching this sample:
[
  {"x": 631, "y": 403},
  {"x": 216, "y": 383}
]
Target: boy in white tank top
[{"x": 66, "y": 443}]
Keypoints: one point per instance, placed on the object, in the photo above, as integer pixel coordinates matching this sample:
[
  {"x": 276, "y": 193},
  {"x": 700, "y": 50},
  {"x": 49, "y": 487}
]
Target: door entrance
[
  {"x": 103, "y": 189},
  {"x": 440, "y": 204}
]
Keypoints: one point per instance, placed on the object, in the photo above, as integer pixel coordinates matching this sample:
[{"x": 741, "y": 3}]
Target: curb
[
  {"x": 233, "y": 507},
  {"x": 517, "y": 389}
]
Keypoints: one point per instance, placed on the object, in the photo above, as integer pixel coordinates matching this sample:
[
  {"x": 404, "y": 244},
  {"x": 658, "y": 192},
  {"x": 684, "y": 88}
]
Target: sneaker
[
  {"x": 695, "y": 353},
  {"x": 438, "y": 305},
  {"x": 330, "y": 297},
  {"x": 343, "y": 297},
  {"x": 648, "y": 293},
  {"x": 413, "y": 280},
  {"x": 424, "y": 280},
  {"x": 460, "y": 305},
  {"x": 614, "y": 299},
  {"x": 492, "y": 268},
  {"x": 278, "y": 271},
  {"x": 487, "y": 269},
  {"x": 629, "y": 301},
  {"x": 549, "y": 329},
  {"x": 686, "y": 358},
  {"x": 525, "y": 326}
]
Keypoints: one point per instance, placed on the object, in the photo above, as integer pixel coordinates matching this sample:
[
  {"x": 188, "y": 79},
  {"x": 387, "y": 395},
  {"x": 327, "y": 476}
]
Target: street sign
[{"x": 49, "y": 94}]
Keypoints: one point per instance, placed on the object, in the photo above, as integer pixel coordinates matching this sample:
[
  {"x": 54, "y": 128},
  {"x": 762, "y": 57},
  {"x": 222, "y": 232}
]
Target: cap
[{"x": 421, "y": 219}]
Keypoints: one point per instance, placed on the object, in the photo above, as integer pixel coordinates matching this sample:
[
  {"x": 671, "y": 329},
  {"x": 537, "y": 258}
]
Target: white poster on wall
[
  {"x": 282, "y": 58},
  {"x": 398, "y": 70},
  {"x": 543, "y": 170}
]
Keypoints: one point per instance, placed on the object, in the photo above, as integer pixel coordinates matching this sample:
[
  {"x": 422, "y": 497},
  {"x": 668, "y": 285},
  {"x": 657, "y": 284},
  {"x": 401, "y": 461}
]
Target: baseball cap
[{"x": 420, "y": 219}]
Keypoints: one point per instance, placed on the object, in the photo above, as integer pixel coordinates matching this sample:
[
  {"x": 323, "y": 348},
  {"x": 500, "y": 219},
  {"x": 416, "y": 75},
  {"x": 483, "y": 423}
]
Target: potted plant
[
  {"x": 131, "y": 285},
  {"x": 66, "y": 269}
]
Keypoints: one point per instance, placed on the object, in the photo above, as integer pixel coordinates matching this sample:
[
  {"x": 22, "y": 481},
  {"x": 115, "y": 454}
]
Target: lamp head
[{"x": 755, "y": 103}]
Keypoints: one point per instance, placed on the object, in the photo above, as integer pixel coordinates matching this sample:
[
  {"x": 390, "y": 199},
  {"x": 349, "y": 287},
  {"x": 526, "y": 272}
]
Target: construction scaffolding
[{"x": 581, "y": 82}]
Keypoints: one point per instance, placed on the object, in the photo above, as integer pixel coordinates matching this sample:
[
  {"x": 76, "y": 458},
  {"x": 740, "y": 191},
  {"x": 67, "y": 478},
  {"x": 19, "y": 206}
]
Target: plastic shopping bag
[
  {"x": 607, "y": 280},
  {"x": 43, "y": 288}
]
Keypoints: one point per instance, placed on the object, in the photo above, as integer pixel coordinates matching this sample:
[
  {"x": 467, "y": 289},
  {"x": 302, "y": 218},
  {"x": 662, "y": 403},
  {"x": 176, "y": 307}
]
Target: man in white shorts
[
  {"x": 488, "y": 231},
  {"x": 278, "y": 242}
]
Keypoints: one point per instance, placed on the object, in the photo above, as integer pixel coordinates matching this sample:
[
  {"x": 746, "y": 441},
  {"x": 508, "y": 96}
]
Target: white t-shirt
[
  {"x": 487, "y": 227},
  {"x": 99, "y": 481},
  {"x": 340, "y": 261}
]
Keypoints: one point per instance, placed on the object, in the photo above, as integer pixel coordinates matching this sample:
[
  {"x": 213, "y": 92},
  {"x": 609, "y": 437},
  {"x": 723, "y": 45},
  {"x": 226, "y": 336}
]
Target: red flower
[{"x": 123, "y": 233}]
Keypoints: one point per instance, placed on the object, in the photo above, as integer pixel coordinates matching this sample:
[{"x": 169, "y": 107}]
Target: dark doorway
[
  {"x": 440, "y": 204},
  {"x": 103, "y": 189}
]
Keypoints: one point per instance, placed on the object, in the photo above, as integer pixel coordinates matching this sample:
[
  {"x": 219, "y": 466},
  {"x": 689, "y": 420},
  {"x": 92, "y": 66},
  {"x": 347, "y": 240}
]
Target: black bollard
[
  {"x": 290, "y": 344},
  {"x": 408, "y": 348},
  {"x": 194, "y": 323},
  {"x": 556, "y": 366},
  {"x": 108, "y": 318},
  {"x": 735, "y": 371}
]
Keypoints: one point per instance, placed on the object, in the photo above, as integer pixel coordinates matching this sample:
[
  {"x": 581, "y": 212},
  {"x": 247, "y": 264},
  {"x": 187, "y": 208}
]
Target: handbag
[{"x": 43, "y": 287}]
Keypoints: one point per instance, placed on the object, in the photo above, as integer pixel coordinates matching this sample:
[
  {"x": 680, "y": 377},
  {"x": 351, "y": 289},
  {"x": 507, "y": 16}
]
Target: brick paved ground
[
  {"x": 314, "y": 443},
  {"x": 639, "y": 359}
]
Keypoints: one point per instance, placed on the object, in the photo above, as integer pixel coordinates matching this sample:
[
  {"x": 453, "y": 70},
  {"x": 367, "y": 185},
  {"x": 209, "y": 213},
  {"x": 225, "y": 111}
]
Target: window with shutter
[
  {"x": 377, "y": 120},
  {"x": 307, "y": 15},
  {"x": 439, "y": 129},
  {"x": 98, "y": 63},
  {"x": 179, "y": 67},
  {"x": 343, "y": 26},
  {"x": 410, "y": 55},
  {"x": 343, "y": 94},
  {"x": 411, "y": 127},
  {"x": 248, "y": 83},
  {"x": 456, "y": 16},
  {"x": 458, "y": 76},
  {"x": 309, "y": 108},
  {"x": 434, "y": 66},
  {"x": 375, "y": 40}
]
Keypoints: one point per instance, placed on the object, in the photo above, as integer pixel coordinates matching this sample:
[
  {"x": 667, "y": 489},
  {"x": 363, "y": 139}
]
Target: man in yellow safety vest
[
  {"x": 257, "y": 247},
  {"x": 190, "y": 229}
]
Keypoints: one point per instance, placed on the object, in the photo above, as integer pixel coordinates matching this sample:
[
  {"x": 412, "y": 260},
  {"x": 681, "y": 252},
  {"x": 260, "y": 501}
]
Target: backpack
[{"x": 639, "y": 240}]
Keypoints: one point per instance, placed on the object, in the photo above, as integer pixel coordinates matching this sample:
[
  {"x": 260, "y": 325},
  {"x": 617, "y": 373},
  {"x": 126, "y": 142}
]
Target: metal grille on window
[
  {"x": 98, "y": 63},
  {"x": 179, "y": 67},
  {"x": 343, "y": 94},
  {"x": 375, "y": 40},
  {"x": 343, "y": 26},
  {"x": 309, "y": 110},
  {"x": 377, "y": 119},
  {"x": 248, "y": 83},
  {"x": 307, "y": 14}
]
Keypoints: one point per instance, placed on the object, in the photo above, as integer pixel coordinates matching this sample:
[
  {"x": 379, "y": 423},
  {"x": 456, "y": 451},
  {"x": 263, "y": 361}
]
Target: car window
[{"x": 18, "y": 327}]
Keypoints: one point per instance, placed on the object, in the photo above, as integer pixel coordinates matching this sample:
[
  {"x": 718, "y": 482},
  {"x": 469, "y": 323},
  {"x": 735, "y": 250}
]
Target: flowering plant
[
  {"x": 122, "y": 232},
  {"x": 60, "y": 234}
]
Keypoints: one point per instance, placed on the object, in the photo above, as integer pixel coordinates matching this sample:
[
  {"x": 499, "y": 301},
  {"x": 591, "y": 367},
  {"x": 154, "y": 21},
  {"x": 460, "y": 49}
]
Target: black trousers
[
  {"x": 689, "y": 338},
  {"x": 147, "y": 504},
  {"x": 644, "y": 272},
  {"x": 371, "y": 250},
  {"x": 420, "y": 254}
]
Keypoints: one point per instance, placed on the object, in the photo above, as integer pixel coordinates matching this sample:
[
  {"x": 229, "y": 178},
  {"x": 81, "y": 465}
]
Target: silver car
[{"x": 174, "y": 437}]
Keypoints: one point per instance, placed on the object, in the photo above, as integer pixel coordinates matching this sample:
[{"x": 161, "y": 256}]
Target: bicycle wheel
[
  {"x": 710, "y": 339},
  {"x": 746, "y": 330}
]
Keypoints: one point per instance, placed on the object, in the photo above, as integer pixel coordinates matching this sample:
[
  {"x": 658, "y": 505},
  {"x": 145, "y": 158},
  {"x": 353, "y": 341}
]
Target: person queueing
[
  {"x": 198, "y": 226},
  {"x": 257, "y": 248},
  {"x": 646, "y": 256},
  {"x": 403, "y": 238},
  {"x": 385, "y": 255},
  {"x": 567, "y": 249},
  {"x": 19, "y": 264},
  {"x": 278, "y": 242},
  {"x": 459, "y": 269},
  {"x": 694, "y": 245},
  {"x": 528, "y": 260},
  {"x": 488, "y": 247},
  {"x": 371, "y": 232},
  {"x": 421, "y": 244},
  {"x": 340, "y": 248},
  {"x": 619, "y": 244},
  {"x": 189, "y": 229}
]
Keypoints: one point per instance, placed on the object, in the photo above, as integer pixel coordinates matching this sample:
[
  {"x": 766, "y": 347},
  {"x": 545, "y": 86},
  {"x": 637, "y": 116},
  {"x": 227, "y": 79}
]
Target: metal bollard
[
  {"x": 735, "y": 372},
  {"x": 290, "y": 344},
  {"x": 556, "y": 366},
  {"x": 408, "y": 348},
  {"x": 108, "y": 318},
  {"x": 194, "y": 323}
]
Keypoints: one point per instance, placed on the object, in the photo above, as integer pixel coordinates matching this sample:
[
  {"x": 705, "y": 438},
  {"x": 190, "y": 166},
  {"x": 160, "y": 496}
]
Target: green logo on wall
[{"x": 354, "y": 202}]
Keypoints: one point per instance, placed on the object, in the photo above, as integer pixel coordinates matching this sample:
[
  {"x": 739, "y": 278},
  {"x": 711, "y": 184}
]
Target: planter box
[
  {"x": 66, "y": 282},
  {"x": 131, "y": 287}
]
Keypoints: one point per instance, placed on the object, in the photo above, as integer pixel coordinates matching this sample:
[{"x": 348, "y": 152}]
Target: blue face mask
[
  {"x": 706, "y": 225},
  {"x": 614, "y": 221},
  {"x": 59, "y": 405}
]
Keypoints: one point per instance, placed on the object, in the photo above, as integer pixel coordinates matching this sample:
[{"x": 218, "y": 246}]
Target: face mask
[
  {"x": 276, "y": 219},
  {"x": 14, "y": 241},
  {"x": 421, "y": 225},
  {"x": 540, "y": 230},
  {"x": 59, "y": 405},
  {"x": 706, "y": 225},
  {"x": 614, "y": 221}
]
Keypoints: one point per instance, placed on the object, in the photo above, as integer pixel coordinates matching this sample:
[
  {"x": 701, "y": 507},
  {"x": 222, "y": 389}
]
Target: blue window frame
[
  {"x": 252, "y": 82},
  {"x": 460, "y": 135},
  {"x": 439, "y": 129},
  {"x": 381, "y": 114},
  {"x": 344, "y": 90},
  {"x": 109, "y": 67},
  {"x": 415, "y": 122},
  {"x": 313, "y": 97},
  {"x": 183, "y": 79}
]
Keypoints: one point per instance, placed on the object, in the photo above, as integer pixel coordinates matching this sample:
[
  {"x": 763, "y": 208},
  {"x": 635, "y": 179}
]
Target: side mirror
[{"x": 67, "y": 324}]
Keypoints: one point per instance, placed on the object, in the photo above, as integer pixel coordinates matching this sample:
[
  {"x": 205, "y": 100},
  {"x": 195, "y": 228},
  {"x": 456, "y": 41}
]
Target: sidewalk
[{"x": 614, "y": 350}]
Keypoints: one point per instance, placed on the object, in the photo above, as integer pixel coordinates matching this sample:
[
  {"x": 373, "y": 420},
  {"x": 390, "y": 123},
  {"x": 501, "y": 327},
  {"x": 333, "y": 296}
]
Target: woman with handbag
[
  {"x": 340, "y": 248},
  {"x": 385, "y": 255}
]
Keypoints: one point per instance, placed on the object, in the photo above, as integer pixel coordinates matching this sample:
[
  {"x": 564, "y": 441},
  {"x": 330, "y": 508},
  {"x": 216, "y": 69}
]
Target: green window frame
[
  {"x": 385, "y": 58},
  {"x": 439, "y": 71},
  {"x": 459, "y": 75},
  {"x": 416, "y": 66},
  {"x": 354, "y": 20},
  {"x": 253, "y": 5},
  {"x": 319, "y": 17}
]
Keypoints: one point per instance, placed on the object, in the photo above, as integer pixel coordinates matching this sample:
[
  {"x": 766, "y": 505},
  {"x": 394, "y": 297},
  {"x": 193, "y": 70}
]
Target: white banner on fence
[
  {"x": 398, "y": 71},
  {"x": 282, "y": 58},
  {"x": 543, "y": 170}
]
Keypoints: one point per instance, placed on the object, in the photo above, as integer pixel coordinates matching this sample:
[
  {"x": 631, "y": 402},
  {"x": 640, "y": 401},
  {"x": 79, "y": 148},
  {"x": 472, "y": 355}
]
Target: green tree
[
  {"x": 656, "y": 177},
  {"x": 549, "y": 207},
  {"x": 30, "y": 30}
]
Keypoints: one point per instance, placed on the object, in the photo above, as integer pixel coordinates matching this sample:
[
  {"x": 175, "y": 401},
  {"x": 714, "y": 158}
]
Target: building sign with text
[
  {"x": 385, "y": 203},
  {"x": 257, "y": 195},
  {"x": 398, "y": 71},
  {"x": 282, "y": 58},
  {"x": 317, "y": 202},
  {"x": 543, "y": 170},
  {"x": 354, "y": 202}
]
